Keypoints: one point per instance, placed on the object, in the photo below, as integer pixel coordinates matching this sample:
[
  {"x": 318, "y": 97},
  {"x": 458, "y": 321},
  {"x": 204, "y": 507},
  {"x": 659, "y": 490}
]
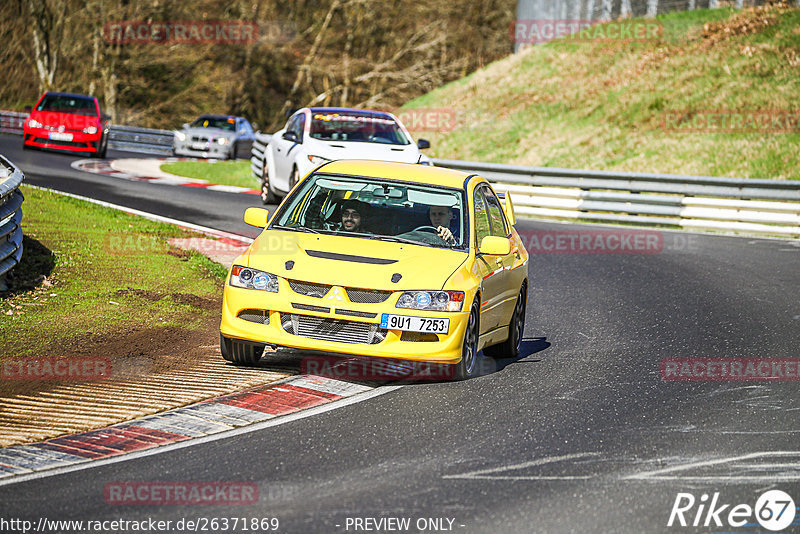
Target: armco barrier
[
  {"x": 694, "y": 202},
  {"x": 257, "y": 160},
  {"x": 10, "y": 218}
]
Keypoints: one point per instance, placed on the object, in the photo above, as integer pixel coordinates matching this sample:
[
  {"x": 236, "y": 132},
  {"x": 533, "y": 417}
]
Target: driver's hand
[{"x": 446, "y": 234}]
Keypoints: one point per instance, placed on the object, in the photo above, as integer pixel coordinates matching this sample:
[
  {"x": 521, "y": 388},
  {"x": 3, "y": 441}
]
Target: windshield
[
  {"x": 355, "y": 126},
  {"x": 76, "y": 105},
  {"x": 377, "y": 209},
  {"x": 222, "y": 123}
]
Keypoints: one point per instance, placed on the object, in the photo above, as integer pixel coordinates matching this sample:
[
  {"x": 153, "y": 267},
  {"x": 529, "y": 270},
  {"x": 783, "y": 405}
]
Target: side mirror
[
  {"x": 105, "y": 117},
  {"x": 495, "y": 245},
  {"x": 290, "y": 136},
  {"x": 27, "y": 109},
  {"x": 257, "y": 217},
  {"x": 422, "y": 144}
]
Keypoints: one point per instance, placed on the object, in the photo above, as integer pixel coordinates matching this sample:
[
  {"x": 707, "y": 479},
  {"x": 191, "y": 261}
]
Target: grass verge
[
  {"x": 604, "y": 104},
  {"x": 88, "y": 273},
  {"x": 217, "y": 172}
]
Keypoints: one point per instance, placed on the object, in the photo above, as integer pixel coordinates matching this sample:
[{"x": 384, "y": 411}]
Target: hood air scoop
[{"x": 348, "y": 257}]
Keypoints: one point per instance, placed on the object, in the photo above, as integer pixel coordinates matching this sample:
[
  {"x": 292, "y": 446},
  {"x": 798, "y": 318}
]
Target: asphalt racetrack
[{"x": 580, "y": 434}]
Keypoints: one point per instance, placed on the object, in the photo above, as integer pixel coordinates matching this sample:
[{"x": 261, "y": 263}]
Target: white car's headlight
[
  {"x": 180, "y": 136},
  {"x": 223, "y": 140},
  {"x": 91, "y": 130},
  {"x": 33, "y": 123},
  {"x": 450, "y": 301},
  {"x": 317, "y": 160},
  {"x": 248, "y": 278}
]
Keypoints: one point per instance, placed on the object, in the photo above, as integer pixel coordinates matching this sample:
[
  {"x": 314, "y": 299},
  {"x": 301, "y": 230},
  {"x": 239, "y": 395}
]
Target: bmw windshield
[{"x": 387, "y": 210}]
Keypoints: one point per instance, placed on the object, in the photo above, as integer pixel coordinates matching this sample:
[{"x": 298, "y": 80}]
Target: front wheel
[
  {"x": 239, "y": 352},
  {"x": 468, "y": 366}
]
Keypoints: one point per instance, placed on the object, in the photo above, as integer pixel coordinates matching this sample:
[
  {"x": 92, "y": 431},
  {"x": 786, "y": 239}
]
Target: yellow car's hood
[{"x": 352, "y": 261}]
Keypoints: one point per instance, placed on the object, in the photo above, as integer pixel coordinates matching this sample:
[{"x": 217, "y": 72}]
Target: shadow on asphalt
[{"x": 376, "y": 372}]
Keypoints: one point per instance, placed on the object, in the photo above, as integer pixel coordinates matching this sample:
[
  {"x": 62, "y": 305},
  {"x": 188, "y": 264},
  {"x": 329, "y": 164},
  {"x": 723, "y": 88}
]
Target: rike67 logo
[{"x": 774, "y": 510}]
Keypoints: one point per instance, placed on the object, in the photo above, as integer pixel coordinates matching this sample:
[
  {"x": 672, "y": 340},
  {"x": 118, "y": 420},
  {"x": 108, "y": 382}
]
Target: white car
[{"x": 313, "y": 136}]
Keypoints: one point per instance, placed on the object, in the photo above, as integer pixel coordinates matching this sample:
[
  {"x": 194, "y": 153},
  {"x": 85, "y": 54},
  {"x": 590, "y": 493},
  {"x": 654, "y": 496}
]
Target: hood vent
[{"x": 348, "y": 257}]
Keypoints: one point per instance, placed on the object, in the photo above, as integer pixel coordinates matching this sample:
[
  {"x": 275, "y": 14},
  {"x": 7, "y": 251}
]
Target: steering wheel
[{"x": 432, "y": 229}]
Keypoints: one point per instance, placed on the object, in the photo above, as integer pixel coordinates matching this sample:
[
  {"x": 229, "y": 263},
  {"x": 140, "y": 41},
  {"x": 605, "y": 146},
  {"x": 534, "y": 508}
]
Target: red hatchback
[{"x": 65, "y": 121}]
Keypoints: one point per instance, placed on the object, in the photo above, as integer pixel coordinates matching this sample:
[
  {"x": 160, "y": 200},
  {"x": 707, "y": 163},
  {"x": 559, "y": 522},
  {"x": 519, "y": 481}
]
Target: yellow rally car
[{"x": 381, "y": 259}]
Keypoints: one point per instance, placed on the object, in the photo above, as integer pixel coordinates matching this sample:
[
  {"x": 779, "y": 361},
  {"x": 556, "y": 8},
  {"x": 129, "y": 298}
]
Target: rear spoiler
[{"x": 508, "y": 207}]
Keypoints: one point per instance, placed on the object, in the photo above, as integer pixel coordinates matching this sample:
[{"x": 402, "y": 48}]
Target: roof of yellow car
[{"x": 423, "y": 174}]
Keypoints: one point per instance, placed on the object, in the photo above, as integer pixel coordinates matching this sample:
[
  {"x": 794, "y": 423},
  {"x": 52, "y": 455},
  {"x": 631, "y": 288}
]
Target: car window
[
  {"x": 390, "y": 210},
  {"x": 495, "y": 210},
  {"x": 296, "y": 125},
  {"x": 76, "y": 105},
  {"x": 481, "y": 214},
  {"x": 357, "y": 126},
  {"x": 222, "y": 123}
]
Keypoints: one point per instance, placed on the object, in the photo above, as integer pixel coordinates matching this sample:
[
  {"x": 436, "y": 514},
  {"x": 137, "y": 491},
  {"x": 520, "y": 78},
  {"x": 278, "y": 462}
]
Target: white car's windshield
[
  {"x": 372, "y": 208},
  {"x": 348, "y": 126}
]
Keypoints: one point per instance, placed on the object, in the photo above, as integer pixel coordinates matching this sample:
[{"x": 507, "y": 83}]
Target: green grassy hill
[{"x": 604, "y": 104}]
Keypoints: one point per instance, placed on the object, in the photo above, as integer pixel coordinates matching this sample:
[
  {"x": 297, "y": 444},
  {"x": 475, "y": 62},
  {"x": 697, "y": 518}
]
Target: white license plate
[
  {"x": 415, "y": 324},
  {"x": 58, "y": 136},
  {"x": 199, "y": 146}
]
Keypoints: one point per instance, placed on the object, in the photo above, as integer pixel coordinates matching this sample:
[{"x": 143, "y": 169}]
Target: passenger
[{"x": 440, "y": 217}]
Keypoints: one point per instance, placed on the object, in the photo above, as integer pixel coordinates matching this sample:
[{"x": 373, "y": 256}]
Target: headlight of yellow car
[
  {"x": 248, "y": 278},
  {"x": 450, "y": 301}
]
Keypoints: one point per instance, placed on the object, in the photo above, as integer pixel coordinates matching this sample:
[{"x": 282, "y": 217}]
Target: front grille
[
  {"x": 332, "y": 329},
  {"x": 354, "y": 313},
  {"x": 367, "y": 296},
  {"x": 309, "y": 289},
  {"x": 197, "y": 139},
  {"x": 309, "y": 307},
  {"x": 419, "y": 337},
  {"x": 254, "y": 316}
]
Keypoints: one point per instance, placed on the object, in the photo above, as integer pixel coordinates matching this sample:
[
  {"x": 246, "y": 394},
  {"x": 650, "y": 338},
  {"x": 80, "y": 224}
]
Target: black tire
[
  {"x": 267, "y": 196},
  {"x": 516, "y": 328},
  {"x": 239, "y": 352},
  {"x": 468, "y": 366},
  {"x": 234, "y": 150},
  {"x": 294, "y": 179}
]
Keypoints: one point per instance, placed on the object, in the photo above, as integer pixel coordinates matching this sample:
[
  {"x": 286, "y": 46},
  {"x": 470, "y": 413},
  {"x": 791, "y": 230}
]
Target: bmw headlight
[
  {"x": 317, "y": 160},
  {"x": 180, "y": 136},
  {"x": 248, "y": 278},
  {"x": 450, "y": 301},
  {"x": 223, "y": 140},
  {"x": 33, "y": 123}
]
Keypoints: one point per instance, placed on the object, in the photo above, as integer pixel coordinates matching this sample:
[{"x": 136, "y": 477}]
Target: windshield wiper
[
  {"x": 296, "y": 229},
  {"x": 400, "y": 240}
]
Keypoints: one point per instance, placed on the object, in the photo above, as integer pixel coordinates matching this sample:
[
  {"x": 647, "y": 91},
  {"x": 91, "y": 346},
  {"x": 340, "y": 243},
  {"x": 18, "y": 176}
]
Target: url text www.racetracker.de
[{"x": 196, "y": 524}]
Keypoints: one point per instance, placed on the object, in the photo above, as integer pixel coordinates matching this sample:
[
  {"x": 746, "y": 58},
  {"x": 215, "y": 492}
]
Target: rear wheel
[
  {"x": 240, "y": 352},
  {"x": 295, "y": 178},
  {"x": 267, "y": 196},
  {"x": 516, "y": 328},
  {"x": 468, "y": 366}
]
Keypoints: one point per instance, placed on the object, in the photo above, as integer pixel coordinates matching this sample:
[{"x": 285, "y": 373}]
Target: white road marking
[
  {"x": 488, "y": 473},
  {"x": 671, "y": 473}
]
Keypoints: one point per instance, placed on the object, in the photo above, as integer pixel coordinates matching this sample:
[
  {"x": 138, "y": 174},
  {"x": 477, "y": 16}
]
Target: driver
[
  {"x": 440, "y": 217},
  {"x": 353, "y": 213}
]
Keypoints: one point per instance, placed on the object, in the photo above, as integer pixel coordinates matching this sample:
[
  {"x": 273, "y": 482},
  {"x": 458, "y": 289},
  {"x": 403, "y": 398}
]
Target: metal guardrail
[
  {"x": 694, "y": 202},
  {"x": 257, "y": 153},
  {"x": 10, "y": 218}
]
